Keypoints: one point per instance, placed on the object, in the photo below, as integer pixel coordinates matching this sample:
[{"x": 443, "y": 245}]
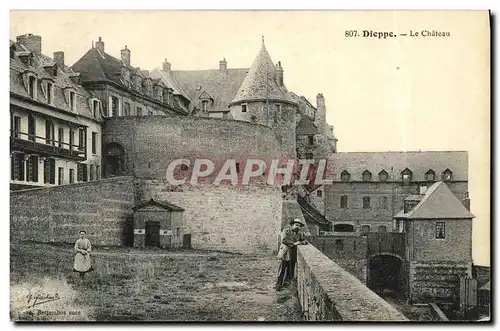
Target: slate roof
[
  {"x": 61, "y": 81},
  {"x": 306, "y": 127},
  {"x": 170, "y": 81},
  {"x": 260, "y": 82},
  {"x": 95, "y": 66},
  {"x": 438, "y": 202},
  {"x": 222, "y": 86},
  {"x": 418, "y": 162},
  {"x": 161, "y": 204}
]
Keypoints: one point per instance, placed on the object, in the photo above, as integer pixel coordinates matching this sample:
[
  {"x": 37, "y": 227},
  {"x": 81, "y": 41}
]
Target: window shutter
[
  {"x": 52, "y": 171},
  {"x": 85, "y": 176},
  {"x": 79, "y": 170}
]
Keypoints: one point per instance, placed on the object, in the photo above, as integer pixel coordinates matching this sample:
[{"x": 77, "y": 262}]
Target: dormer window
[
  {"x": 72, "y": 100},
  {"x": 345, "y": 176},
  {"x": 95, "y": 108},
  {"x": 367, "y": 176},
  {"x": 430, "y": 175},
  {"x": 32, "y": 86},
  {"x": 50, "y": 93},
  {"x": 446, "y": 175},
  {"x": 204, "y": 106},
  {"x": 244, "y": 108},
  {"x": 383, "y": 176},
  {"x": 406, "y": 176}
]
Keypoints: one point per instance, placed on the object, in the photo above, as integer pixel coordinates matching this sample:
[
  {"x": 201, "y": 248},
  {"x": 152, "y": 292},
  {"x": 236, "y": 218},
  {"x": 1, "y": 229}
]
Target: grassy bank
[{"x": 163, "y": 286}]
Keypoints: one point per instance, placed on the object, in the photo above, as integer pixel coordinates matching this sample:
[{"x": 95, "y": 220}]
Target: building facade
[
  {"x": 438, "y": 239},
  {"x": 55, "y": 123},
  {"x": 368, "y": 189}
]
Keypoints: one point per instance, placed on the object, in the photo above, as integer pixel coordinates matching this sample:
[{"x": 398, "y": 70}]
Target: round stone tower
[{"x": 264, "y": 99}]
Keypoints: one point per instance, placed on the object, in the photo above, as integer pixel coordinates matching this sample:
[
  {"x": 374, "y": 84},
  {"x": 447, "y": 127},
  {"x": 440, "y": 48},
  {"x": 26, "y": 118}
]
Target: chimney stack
[
  {"x": 125, "y": 53},
  {"x": 320, "y": 117},
  {"x": 59, "y": 59},
  {"x": 100, "y": 45},
  {"x": 223, "y": 66},
  {"x": 31, "y": 42},
  {"x": 166, "y": 66},
  {"x": 279, "y": 73}
]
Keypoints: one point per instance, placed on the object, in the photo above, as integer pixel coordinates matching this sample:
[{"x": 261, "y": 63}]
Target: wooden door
[{"x": 153, "y": 234}]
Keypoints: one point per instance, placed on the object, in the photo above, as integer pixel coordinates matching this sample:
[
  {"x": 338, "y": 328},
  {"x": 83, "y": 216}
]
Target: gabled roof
[
  {"x": 260, "y": 82},
  {"x": 438, "y": 202},
  {"x": 395, "y": 162},
  {"x": 305, "y": 126},
  {"x": 222, "y": 86},
  {"x": 161, "y": 204}
]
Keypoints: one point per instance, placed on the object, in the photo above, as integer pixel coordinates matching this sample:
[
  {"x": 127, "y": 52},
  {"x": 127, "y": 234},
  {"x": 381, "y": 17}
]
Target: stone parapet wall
[{"x": 329, "y": 293}]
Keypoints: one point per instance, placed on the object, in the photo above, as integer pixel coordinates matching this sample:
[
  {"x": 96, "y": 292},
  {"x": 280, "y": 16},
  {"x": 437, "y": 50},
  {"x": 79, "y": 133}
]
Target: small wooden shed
[{"x": 158, "y": 224}]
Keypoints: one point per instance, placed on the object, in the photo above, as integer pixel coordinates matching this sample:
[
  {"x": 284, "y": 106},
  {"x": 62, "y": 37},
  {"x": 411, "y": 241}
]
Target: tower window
[
  {"x": 345, "y": 176},
  {"x": 366, "y": 202},
  {"x": 430, "y": 176},
  {"x": 339, "y": 244},
  {"x": 446, "y": 175},
  {"x": 406, "y": 176},
  {"x": 383, "y": 176},
  {"x": 440, "y": 230},
  {"x": 310, "y": 140},
  {"x": 243, "y": 108},
  {"x": 126, "y": 109},
  {"x": 343, "y": 201},
  {"x": 367, "y": 176}
]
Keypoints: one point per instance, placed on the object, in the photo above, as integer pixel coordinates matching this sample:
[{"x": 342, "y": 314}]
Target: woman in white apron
[{"x": 82, "y": 255}]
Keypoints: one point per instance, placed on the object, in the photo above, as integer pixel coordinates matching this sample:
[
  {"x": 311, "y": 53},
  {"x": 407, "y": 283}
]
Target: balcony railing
[{"x": 28, "y": 142}]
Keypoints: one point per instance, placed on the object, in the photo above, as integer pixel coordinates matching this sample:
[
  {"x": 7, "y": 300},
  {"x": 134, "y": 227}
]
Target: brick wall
[
  {"x": 329, "y": 293},
  {"x": 57, "y": 214},
  {"x": 351, "y": 254},
  {"x": 238, "y": 219}
]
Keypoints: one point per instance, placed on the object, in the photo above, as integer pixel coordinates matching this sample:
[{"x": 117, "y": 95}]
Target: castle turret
[{"x": 264, "y": 99}]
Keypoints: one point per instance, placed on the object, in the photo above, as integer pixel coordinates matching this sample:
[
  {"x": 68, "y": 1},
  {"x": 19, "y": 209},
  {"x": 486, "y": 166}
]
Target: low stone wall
[
  {"x": 56, "y": 214},
  {"x": 329, "y": 293}
]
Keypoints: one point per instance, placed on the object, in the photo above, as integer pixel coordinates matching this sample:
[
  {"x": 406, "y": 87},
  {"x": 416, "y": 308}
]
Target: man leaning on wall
[{"x": 291, "y": 237}]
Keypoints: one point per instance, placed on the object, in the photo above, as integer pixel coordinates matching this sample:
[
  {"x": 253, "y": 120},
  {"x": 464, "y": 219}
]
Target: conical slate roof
[{"x": 254, "y": 85}]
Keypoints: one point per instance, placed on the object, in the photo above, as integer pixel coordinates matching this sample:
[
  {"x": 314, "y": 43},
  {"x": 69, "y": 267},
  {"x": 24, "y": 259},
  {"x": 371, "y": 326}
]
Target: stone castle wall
[
  {"x": 237, "y": 219},
  {"x": 57, "y": 214}
]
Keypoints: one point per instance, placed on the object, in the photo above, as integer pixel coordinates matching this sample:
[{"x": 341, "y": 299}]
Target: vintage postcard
[{"x": 251, "y": 166}]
